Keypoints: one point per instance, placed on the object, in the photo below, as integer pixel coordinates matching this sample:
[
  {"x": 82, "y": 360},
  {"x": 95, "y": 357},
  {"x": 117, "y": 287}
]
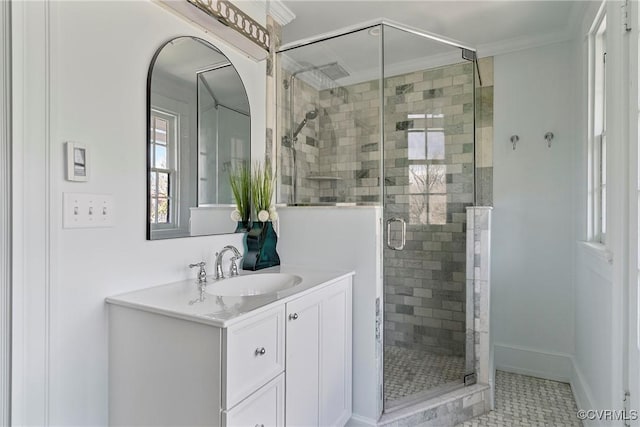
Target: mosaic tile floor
[
  {"x": 408, "y": 371},
  {"x": 527, "y": 401}
]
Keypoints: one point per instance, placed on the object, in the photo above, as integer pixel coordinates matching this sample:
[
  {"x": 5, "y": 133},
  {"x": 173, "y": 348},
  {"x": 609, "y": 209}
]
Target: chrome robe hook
[{"x": 514, "y": 140}]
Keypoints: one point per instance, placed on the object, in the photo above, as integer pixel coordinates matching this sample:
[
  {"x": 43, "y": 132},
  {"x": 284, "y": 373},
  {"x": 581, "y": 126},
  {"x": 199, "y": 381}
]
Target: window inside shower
[{"x": 385, "y": 116}]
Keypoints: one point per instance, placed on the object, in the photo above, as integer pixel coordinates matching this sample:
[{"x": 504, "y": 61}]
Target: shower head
[
  {"x": 312, "y": 114},
  {"x": 332, "y": 70}
]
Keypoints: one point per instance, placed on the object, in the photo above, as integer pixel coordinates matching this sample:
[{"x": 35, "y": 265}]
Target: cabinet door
[
  {"x": 335, "y": 355},
  {"x": 264, "y": 408},
  {"x": 318, "y": 357},
  {"x": 302, "y": 361}
]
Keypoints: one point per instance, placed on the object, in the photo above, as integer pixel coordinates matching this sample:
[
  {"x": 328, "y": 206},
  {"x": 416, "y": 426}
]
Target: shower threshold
[
  {"x": 423, "y": 388},
  {"x": 448, "y": 409},
  {"x": 404, "y": 402}
]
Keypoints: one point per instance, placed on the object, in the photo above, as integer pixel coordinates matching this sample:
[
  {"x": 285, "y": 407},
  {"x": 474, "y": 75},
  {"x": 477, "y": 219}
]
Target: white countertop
[{"x": 183, "y": 299}]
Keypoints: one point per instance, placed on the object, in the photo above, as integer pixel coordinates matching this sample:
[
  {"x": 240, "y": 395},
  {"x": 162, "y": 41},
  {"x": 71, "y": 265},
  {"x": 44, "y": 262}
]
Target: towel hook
[
  {"x": 514, "y": 140},
  {"x": 548, "y": 137}
]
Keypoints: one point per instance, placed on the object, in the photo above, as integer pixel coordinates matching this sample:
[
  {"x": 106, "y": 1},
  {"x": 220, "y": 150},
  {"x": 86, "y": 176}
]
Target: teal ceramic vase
[
  {"x": 243, "y": 227},
  {"x": 261, "y": 247}
]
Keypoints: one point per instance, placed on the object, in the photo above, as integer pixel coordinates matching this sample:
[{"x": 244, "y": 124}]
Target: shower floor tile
[
  {"x": 528, "y": 401},
  {"x": 408, "y": 371}
]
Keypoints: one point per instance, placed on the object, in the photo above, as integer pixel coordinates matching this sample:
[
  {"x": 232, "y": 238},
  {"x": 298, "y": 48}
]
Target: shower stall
[{"x": 384, "y": 115}]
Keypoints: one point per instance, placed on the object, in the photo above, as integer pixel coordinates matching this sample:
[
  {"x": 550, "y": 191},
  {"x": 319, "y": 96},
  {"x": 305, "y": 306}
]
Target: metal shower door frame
[{"x": 468, "y": 53}]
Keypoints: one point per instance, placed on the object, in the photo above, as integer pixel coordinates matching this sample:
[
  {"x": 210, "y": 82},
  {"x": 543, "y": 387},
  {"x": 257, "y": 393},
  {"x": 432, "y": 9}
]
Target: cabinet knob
[
  {"x": 259, "y": 425},
  {"x": 293, "y": 316},
  {"x": 260, "y": 351}
]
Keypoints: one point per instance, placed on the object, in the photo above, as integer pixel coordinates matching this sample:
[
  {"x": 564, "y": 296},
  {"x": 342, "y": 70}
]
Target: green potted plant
[
  {"x": 240, "y": 180},
  {"x": 262, "y": 185},
  {"x": 262, "y": 239}
]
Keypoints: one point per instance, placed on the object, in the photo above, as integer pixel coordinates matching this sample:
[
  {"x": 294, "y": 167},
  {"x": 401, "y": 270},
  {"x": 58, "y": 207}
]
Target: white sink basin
[{"x": 253, "y": 284}]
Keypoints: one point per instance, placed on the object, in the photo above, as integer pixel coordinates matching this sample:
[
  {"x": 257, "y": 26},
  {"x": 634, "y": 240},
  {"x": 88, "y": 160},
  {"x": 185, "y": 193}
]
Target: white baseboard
[
  {"x": 358, "y": 421},
  {"x": 532, "y": 362}
]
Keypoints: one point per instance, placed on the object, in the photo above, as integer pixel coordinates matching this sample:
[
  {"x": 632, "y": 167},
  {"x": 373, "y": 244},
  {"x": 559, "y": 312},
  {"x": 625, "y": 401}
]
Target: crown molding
[
  {"x": 522, "y": 43},
  {"x": 572, "y": 31},
  {"x": 280, "y": 13},
  {"x": 576, "y": 16}
]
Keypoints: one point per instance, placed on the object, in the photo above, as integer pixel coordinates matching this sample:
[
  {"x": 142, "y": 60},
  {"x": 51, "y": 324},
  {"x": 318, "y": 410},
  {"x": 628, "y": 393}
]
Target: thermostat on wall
[{"x": 77, "y": 162}]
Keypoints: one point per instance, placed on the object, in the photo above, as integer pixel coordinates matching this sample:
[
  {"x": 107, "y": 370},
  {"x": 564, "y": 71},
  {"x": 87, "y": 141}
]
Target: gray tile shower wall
[
  {"x": 275, "y": 30},
  {"x": 304, "y": 149},
  {"x": 429, "y": 173},
  {"x": 338, "y": 153},
  {"x": 429, "y": 159},
  {"x": 350, "y": 144},
  {"x": 425, "y": 291},
  {"x": 484, "y": 133},
  {"x": 479, "y": 289}
]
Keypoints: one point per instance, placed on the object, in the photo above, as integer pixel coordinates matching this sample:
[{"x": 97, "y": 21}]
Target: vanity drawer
[
  {"x": 253, "y": 354},
  {"x": 264, "y": 408}
]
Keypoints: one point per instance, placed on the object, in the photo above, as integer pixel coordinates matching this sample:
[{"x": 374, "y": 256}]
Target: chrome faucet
[
  {"x": 233, "y": 271},
  {"x": 202, "y": 273}
]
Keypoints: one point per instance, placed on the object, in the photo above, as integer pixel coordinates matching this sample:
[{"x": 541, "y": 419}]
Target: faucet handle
[
  {"x": 233, "y": 270},
  {"x": 202, "y": 273}
]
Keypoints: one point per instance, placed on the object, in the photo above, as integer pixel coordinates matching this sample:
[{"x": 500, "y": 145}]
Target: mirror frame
[{"x": 148, "y": 133}]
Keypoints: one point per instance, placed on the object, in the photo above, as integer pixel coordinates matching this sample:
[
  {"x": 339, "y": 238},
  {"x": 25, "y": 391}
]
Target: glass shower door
[{"x": 428, "y": 171}]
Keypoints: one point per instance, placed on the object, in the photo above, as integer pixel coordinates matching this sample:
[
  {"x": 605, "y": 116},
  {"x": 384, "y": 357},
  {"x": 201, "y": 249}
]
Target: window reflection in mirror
[{"x": 199, "y": 128}]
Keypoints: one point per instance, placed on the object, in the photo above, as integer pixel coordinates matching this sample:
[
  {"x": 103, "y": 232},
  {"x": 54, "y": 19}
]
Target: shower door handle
[{"x": 403, "y": 235}]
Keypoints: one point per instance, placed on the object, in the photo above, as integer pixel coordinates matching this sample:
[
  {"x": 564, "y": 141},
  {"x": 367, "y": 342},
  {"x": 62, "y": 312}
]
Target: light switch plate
[{"x": 84, "y": 210}]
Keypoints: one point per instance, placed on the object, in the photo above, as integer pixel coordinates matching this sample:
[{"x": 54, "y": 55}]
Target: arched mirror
[{"x": 199, "y": 129}]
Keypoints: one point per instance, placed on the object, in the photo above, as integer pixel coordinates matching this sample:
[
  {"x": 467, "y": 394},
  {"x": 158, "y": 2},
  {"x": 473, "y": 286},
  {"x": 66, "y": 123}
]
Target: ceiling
[{"x": 479, "y": 24}]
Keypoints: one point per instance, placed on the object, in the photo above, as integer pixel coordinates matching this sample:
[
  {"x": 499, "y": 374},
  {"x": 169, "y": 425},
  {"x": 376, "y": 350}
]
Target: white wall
[
  {"x": 533, "y": 237},
  {"x": 558, "y": 302},
  {"x": 598, "y": 350},
  {"x": 345, "y": 238},
  {"x": 599, "y": 301},
  {"x": 80, "y": 74}
]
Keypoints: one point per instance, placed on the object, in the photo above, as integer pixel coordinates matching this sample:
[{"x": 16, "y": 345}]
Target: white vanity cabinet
[
  {"x": 287, "y": 363},
  {"x": 318, "y": 379}
]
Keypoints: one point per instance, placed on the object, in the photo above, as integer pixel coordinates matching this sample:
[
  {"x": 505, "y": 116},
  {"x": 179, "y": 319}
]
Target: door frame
[
  {"x": 5, "y": 213},
  {"x": 631, "y": 379}
]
